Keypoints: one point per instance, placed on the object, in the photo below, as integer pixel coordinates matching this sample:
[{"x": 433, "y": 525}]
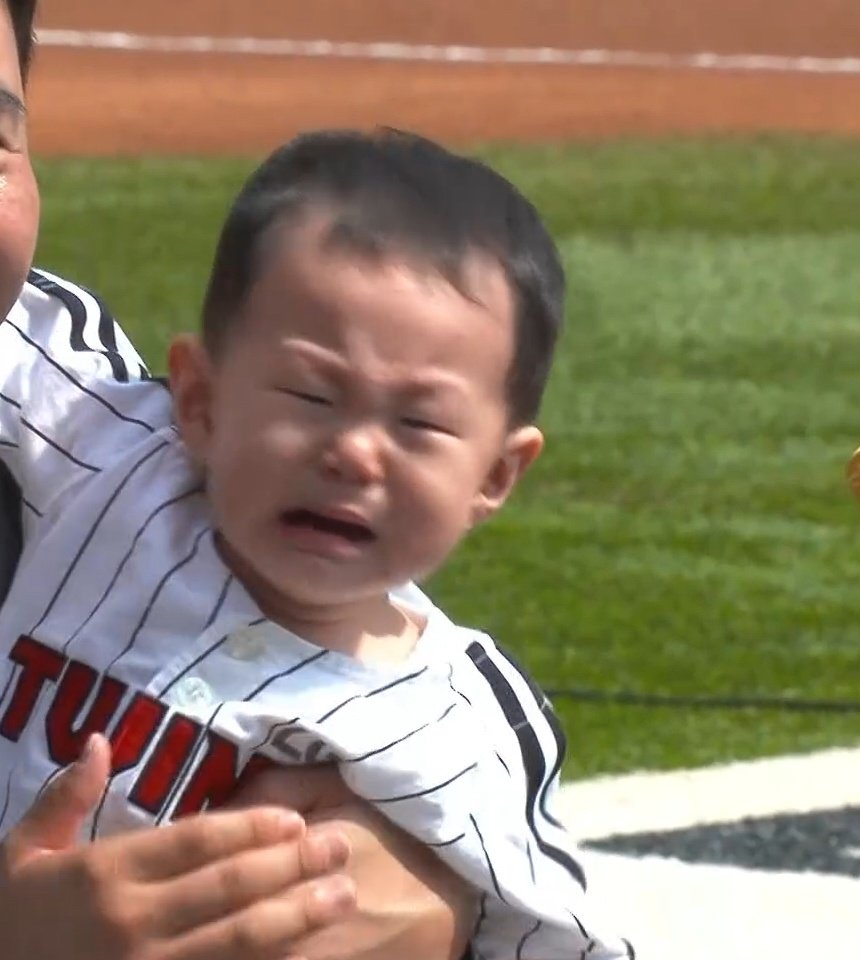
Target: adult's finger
[
  {"x": 411, "y": 905},
  {"x": 53, "y": 822},
  {"x": 265, "y": 930},
  {"x": 192, "y": 843},
  {"x": 230, "y": 884}
]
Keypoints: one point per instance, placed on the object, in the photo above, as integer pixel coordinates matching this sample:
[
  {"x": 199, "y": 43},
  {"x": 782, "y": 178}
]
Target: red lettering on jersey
[
  {"x": 39, "y": 663},
  {"x": 134, "y": 732},
  {"x": 65, "y": 741},
  {"x": 175, "y": 744},
  {"x": 213, "y": 780}
]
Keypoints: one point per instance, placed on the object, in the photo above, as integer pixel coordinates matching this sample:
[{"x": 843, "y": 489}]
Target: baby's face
[{"x": 356, "y": 424}]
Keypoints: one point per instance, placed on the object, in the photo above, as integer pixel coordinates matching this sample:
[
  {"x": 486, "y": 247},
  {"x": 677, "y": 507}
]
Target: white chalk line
[
  {"x": 718, "y": 910},
  {"x": 456, "y": 53},
  {"x": 677, "y": 799}
]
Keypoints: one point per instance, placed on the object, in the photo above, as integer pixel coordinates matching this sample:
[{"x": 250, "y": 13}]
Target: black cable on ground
[{"x": 753, "y": 702}]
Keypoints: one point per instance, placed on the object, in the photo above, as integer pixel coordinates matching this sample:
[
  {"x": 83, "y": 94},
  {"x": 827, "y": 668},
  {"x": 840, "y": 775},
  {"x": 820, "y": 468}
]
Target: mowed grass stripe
[{"x": 688, "y": 530}]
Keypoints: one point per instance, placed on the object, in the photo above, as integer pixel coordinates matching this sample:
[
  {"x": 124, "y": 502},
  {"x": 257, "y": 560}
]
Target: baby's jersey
[{"x": 123, "y": 618}]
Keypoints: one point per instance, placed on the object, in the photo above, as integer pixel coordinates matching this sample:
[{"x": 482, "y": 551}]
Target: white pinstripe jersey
[{"x": 123, "y": 618}]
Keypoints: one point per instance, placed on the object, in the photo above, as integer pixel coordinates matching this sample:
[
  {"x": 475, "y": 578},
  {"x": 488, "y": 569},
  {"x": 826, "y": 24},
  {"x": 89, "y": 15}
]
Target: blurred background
[{"x": 680, "y": 570}]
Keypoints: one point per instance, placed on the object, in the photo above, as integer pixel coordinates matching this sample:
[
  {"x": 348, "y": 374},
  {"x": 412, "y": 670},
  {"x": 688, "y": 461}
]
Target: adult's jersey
[{"x": 90, "y": 327}]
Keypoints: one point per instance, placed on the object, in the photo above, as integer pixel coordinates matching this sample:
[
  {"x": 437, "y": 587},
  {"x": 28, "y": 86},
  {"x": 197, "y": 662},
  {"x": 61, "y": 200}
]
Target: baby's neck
[
  {"x": 372, "y": 628},
  {"x": 370, "y": 631}
]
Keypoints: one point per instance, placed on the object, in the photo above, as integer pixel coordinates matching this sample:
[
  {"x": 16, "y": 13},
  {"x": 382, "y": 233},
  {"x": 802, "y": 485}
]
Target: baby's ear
[
  {"x": 522, "y": 447},
  {"x": 190, "y": 371}
]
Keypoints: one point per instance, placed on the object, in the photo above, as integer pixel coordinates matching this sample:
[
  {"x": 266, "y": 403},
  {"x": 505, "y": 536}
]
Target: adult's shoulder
[
  {"x": 79, "y": 393},
  {"x": 64, "y": 318}
]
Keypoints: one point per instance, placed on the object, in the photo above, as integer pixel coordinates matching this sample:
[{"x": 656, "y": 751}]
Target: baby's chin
[{"x": 287, "y": 581}]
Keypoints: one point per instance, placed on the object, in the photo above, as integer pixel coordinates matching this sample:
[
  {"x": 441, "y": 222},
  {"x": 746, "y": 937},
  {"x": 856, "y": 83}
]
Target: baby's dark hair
[
  {"x": 21, "y": 13},
  {"x": 391, "y": 193}
]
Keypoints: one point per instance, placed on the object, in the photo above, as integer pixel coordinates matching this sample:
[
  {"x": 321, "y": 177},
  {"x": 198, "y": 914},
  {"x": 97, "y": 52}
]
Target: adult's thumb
[{"x": 54, "y": 820}]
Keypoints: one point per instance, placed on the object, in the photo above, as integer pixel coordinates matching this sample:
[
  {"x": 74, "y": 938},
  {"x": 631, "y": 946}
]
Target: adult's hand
[
  {"x": 235, "y": 885},
  {"x": 410, "y": 904}
]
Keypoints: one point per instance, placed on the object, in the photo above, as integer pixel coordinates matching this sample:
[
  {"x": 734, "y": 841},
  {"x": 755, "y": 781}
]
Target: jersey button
[
  {"x": 193, "y": 692},
  {"x": 246, "y": 645}
]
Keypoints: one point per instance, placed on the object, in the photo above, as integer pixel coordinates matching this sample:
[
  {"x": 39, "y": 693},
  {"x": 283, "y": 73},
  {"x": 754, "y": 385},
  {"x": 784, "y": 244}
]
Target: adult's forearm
[{"x": 410, "y": 904}]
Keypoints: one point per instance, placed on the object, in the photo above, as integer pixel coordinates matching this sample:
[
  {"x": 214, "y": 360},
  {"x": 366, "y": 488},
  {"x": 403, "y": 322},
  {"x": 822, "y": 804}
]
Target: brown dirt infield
[{"x": 97, "y": 102}]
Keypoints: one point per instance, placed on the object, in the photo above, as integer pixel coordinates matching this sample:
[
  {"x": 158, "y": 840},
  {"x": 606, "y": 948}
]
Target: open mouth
[{"x": 349, "y": 530}]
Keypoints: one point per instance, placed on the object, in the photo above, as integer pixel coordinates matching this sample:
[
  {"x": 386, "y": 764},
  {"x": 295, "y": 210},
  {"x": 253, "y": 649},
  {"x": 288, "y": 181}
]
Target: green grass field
[{"x": 689, "y": 530}]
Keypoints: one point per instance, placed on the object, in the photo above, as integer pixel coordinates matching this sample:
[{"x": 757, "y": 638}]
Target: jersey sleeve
[
  {"x": 537, "y": 904},
  {"x": 56, "y": 343},
  {"x": 471, "y": 769}
]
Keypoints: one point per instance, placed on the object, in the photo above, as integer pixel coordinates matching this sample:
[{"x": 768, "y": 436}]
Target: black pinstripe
[
  {"x": 525, "y": 938},
  {"x": 78, "y": 312},
  {"x": 73, "y": 380},
  {"x": 219, "y": 603},
  {"x": 56, "y": 446},
  {"x": 92, "y": 532},
  {"x": 546, "y": 709},
  {"x": 219, "y": 642},
  {"x": 179, "y": 779},
  {"x": 482, "y": 916},
  {"x": 426, "y": 791},
  {"x": 162, "y": 583},
  {"x": 5, "y": 809},
  {"x": 205, "y": 731},
  {"x": 463, "y": 696},
  {"x": 373, "y": 693},
  {"x": 192, "y": 753},
  {"x": 285, "y": 673},
  {"x": 445, "y": 843},
  {"x": 280, "y": 725},
  {"x": 12, "y": 668},
  {"x": 399, "y": 740},
  {"x": 135, "y": 541},
  {"x": 12, "y": 402},
  {"x": 534, "y": 761},
  {"x": 490, "y": 866}
]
